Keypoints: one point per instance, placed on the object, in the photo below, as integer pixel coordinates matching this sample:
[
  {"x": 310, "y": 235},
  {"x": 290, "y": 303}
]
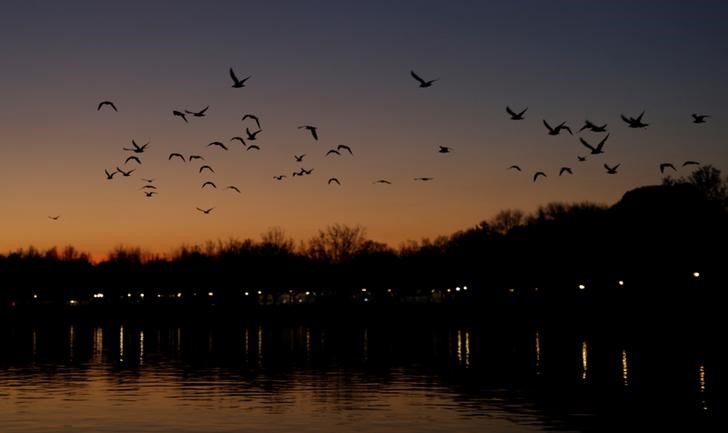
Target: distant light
[
  {"x": 363, "y": 290},
  {"x": 432, "y": 291},
  {"x": 389, "y": 290},
  {"x": 98, "y": 295},
  {"x": 582, "y": 287},
  {"x": 35, "y": 296},
  {"x": 210, "y": 294},
  {"x": 141, "y": 295},
  {"x": 179, "y": 294},
  {"x": 308, "y": 293},
  {"x": 465, "y": 287},
  {"x": 260, "y": 292},
  {"x": 535, "y": 289},
  {"x": 159, "y": 295},
  {"x": 457, "y": 289},
  {"x": 620, "y": 282},
  {"x": 448, "y": 290},
  {"x": 73, "y": 302},
  {"x": 128, "y": 295},
  {"x": 696, "y": 274},
  {"x": 511, "y": 290},
  {"x": 247, "y": 293},
  {"x": 366, "y": 299}
]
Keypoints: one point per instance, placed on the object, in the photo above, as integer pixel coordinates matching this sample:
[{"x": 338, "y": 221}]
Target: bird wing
[
  {"x": 625, "y": 119},
  {"x": 568, "y": 129},
  {"x": 547, "y": 125},
  {"x": 314, "y": 133},
  {"x": 639, "y": 118},
  {"x": 587, "y": 144},
  {"x": 417, "y": 77},
  {"x": 509, "y": 111},
  {"x": 253, "y": 146},
  {"x": 203, "y": 110},
  {"x": 690, "y": 163},
  {"x": 232, "y": 75}
]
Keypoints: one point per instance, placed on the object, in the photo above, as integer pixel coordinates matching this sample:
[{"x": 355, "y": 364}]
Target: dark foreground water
[{"x": 419, "y": 376}]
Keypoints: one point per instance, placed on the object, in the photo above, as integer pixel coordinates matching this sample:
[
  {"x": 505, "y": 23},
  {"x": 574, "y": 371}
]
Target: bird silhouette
[
  {"x": 424, "y": 179},
  {"x": 54, "y": 218},
  {"x": 592, "y": 127},
  {"x": 686, "y": 163},
  {"x": 514, "y": 167},
  {"x": 312, "y": 129},
  {"x": 180, "y": 114},
  {"x": 240, "y": 139},
  {"x": 666, "y": 165},
  {"x": 252, "y": 135},
  {"x": 148, "y": 187},
  {"x": 175, "y": 154},
  {"x": 299, "y": 158},
  {"x": 699, "y": 118},
  {"x": 191, "y": 157},
  {"x": 150, "y": 193},
  {"x": 565, "y": 170},
  {"x": 238, "y": 83},
  {"x": 109, "y": 176},
  {"x": 580, "y": 158},
  {"x": 384, "y": 181},
  {"x": 422, "y": 82},
  {"x": 304, "y": 171},
  {"x": 136, "y": 148},
  {"x": 445, "y": 149},
  {"x": 282, "y": 176},
  {"x": 217, "y": 143},
  {"x": 595, "y": 150},
  {"x": 205, "y": 211},
  {"x": 233, "y": 187},
  {"x": 109, "y": 103},
  {"x": 557, "y": 129},
  {"x": 205, "y": 167},
  {"x": 125, "y": 173},
  {"x": 332, "y": 180},
  {"x": 200, "y": 113},
  {"x": 253, "y": 147},
  {"x": 251, "y": 116},
  {"x": 144, "y": 179},
  {"x": 537, "y": 174},
  {"x": 612, "y": 170},
  {"x": 212, "y": 184},
  {"x": 132, "y": 158},
  {"x": 514, "y": 115},
  {"x": 332, "y": 152},
  {"x": 634, "y": 122},
  {"x": 344, "y": 147}
]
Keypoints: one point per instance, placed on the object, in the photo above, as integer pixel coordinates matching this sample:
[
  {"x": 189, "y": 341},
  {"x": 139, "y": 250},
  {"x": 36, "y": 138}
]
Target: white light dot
[
  {"x": 465, "y": 287},
  {"x": 260, "y": 292},
  {"x": 210, "y": 294},
  {"x": 457, "y": 289},
  {"x": 696, "y": 274},
  {"x": 141, "y": 295},
  {"x": 35, "y": 296},
  {"x": 247, "y": 293},
  {"x": 582, "y": 287},
  {"x": 179, "y": 294},
  {"x": 308, "y": 293},
  {"x": 620, "y": 282}
]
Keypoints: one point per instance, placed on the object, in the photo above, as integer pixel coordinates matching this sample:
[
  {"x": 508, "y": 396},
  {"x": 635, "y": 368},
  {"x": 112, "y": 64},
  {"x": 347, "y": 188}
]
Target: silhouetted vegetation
[{"x": 659, "y": 245}]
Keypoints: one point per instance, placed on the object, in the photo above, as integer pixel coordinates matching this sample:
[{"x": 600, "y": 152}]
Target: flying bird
[
  {"x": 136, "y": 148},
  {"x": 580, "y": 158},
  {"x": 252, "y": 135},
  {"x": 205, "y": 211},
  {"x": 514, "y": 115},
  {"x": 592, "y": 127},
  {"x": 238, "y": 83},
  {"x": 332, "y": 180},
  {"x": 200, "y": 113},
  {"x": 385, "y": 181},
  {"x": 699, "y": 118},
  {"x": 299, "y": 158},
  {"x": 217, "y": 143},
  {"x": 253, "y": 147},
  {"x": 54, "y": 218},
  {"x": 312, "y": 129},
  {"x": 595, "y": 150},
  {"x": 537, "y": 174},
  {"x": 251, "y": 116},
  {"x": 148, "y": 187},
  {"x": 304, "y": 171},
  {"x": 686, "y": 163},
  {"x": 150, "y": 193},
  {"x": 281, "y": 176},
  {"x": 233, "y": 187},
  {"x": 344, "y": 147},
  {"x": 666, "y": 165},
  {"x": 240, "y": 139},
  {"x": 424, "y": 179},
  {"x": 125, "y": 173},
  {"x": 191, "y": 157},
  {"x": 178, "y": 155},
  {"x": 147, "y": 180},
  {"x": 109, "y": 176},
  {"x": 514, "y": 167},
  {"x": 205, "y": 167},
  {"x": 634, "y": 122},
  {"x": 565, "y": 170},
  {"x": 612, "y": 170},
  {"x": 332, "y": 151},
  {"x": 133, "y": 158},
  {"x": 557, "y": 129},
  {"x": 109, "y": 103},
  {"x": 422, "y": 82},
  {"x": 212, "y": 184},
  {"x": 445, "y": 149},
  {"x": 180, "y": 114}
]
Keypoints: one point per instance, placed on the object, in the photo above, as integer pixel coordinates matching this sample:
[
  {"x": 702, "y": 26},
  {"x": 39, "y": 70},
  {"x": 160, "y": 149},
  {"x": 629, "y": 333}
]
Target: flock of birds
[{"x": 251, "y": 135}]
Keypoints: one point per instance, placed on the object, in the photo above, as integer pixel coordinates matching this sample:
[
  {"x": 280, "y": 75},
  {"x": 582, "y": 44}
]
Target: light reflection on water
[{"x": 276, "y": 378}]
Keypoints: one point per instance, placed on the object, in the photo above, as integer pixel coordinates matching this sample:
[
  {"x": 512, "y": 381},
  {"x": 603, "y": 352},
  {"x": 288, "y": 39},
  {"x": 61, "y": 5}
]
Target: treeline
[{"x": 656, "y": 240}]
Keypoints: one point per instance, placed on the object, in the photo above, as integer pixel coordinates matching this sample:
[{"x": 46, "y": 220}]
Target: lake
[{"x": 358, "y": 376}]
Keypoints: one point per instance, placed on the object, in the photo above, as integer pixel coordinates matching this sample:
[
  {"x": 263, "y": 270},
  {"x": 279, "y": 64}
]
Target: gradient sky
[{"x": 343, "y": 66}]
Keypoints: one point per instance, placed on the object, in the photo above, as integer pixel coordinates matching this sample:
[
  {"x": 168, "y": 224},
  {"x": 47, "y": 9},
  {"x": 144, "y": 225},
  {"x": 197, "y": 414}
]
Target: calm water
[{"x": 424, "y": 377}]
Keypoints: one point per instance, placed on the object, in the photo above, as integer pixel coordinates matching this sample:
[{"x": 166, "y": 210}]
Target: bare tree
[
  {"x": 337, "y": 243},
  {"x": 275, "y": 237}
]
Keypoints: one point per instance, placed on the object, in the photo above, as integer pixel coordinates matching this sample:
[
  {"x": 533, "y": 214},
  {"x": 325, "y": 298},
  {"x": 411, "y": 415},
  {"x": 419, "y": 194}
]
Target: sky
[{"x": 344, "y": 67}]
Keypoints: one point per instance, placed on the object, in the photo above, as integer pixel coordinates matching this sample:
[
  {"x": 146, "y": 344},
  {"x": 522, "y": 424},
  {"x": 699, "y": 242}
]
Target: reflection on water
[{"x": 363, "y": 378}]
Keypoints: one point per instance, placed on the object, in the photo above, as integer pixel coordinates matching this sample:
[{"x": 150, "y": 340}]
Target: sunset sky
[{"x": 344, "y": 67}]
